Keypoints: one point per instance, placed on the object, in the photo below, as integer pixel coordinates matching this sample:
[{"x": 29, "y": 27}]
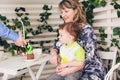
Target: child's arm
[
  {"x": 69, "y": 67},
  {"x": 73, "y": 63}
]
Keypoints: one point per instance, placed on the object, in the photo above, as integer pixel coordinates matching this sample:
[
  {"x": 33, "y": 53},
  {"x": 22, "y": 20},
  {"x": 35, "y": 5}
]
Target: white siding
[{"x": 106, "y": 17}]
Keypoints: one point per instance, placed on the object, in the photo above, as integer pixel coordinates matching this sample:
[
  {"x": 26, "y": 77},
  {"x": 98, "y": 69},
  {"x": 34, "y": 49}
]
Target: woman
[
  {"x": 9, "y": 34},
  {"x": 71, "y": 11}
]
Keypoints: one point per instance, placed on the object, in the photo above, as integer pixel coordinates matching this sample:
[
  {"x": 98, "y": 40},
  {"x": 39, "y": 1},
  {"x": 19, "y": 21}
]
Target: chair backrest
[
  {"x": 111, "y": 72},
  {"x": 111, "y": 55},
  {"x": 109, "y": 60}
]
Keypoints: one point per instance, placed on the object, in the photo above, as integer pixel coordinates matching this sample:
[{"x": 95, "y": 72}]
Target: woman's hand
[{"x": 54, "y": 58}]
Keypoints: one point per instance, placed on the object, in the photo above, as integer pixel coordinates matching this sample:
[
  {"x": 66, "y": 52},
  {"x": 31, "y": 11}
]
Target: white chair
[
  {"x": 107, "y": 57},
  {"x": 111, "y": 72}
]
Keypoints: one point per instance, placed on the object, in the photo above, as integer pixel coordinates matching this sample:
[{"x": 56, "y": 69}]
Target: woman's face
[{"x": 68, "y": 14}]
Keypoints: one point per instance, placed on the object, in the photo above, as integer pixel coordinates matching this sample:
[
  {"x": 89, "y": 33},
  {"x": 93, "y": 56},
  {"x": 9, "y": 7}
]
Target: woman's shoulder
[
  {"x": 87, "y": 28},
  {"x": 87, "y": 25}
]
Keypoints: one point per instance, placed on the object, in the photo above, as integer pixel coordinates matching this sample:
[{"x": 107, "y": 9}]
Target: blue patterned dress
[{"x": 93, "y": 69}]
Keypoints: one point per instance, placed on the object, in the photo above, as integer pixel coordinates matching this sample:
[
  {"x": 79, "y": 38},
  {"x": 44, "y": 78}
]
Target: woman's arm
[
  {"x": 57, "y": 46},
  {"x": 87, "y": 39},
  {"x": 72, "y": 64},
  {"x": 54, "y": 58}
]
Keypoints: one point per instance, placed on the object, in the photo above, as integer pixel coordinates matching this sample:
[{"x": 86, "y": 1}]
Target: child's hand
[
  {"x": 58, "y": 60},
  {"x": 58, "y": 69},
  {"x": 63, "y": 65},
  {"x": 65, "y": 71}
]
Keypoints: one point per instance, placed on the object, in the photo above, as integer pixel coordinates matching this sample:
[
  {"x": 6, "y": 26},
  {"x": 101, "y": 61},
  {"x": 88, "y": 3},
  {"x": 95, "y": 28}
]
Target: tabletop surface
[{"x": 15, "y": 63}]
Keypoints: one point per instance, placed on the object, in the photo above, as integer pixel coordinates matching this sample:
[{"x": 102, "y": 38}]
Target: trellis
[
  {"x": 106, "y": 17},
  {"x": 34, "y": 10}
]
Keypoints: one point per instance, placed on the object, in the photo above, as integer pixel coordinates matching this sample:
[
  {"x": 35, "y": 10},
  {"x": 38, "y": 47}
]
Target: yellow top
[{"x": 72, "y": 52}]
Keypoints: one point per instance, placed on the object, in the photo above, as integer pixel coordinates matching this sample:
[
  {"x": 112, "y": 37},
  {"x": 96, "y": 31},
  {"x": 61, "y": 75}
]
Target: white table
[{"x": 16, "y": 65}]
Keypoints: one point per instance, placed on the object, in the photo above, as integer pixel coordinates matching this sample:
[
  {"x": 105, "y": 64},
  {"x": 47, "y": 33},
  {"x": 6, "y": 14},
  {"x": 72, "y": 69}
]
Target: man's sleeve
[{"x": 7, "y": 33}]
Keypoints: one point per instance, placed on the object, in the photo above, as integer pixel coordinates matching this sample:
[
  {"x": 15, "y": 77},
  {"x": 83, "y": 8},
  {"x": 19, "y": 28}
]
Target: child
[{"x": 71, "y": 53}]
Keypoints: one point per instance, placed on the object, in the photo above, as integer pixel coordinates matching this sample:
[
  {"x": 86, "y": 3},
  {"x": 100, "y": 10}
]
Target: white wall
[
  {"x": 107, "y": 18},
  {"x": 29, "y": 1},
  {"x": 34, "y": 8}
]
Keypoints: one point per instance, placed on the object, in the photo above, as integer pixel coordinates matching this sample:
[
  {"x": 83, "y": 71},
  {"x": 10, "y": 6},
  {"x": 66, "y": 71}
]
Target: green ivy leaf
[
  {"x": 118, "y": 13},
  {"x": 103, "y": 3},
  {"x": 29, "y": 30},
  {"x": 26, "y": 23},
  {"x": 16, "y": 9},
  {"x": 26, "y": 18},
  {"x": 19, "y": 14},
  {"x": 50, "y": 29},
  {"x": 103, "y": 35},
  {"x": 41, "y": 43},
  {"x": 118, "y": 59},
  {"x": 114, "y": 0},
  {"x": 115, "y": 41},
  {"x": 96, "y": 3},
  {"x": 6, "y": 46},
  {"x": 3, "y": 18},
  {"x": 26, "y": 13},
  {"x": 116, "y": 6},
  {"x": 116, "y": 31},
  {"x": 46, "y": 7},
  {"x": 22, "y": 8},
  {"x": 101, "y": 30},
  {"x": 33, "y": 32}
]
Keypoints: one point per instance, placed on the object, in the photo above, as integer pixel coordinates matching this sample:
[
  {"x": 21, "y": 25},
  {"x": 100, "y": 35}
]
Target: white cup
[
  {"x": 1, "y": 54},
  {"x": 37, "y": 52}
]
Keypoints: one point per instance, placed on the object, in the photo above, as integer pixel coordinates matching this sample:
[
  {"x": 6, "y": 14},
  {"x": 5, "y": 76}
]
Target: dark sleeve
[
  {"x": 88, "y": 40},
  {"x": 57, "y": 45}
]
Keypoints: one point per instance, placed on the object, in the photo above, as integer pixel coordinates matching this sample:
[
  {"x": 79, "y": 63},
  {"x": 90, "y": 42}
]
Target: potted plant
[
  {"x": 29, "y": 52},
  {"x": 18, "y": 23}
]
